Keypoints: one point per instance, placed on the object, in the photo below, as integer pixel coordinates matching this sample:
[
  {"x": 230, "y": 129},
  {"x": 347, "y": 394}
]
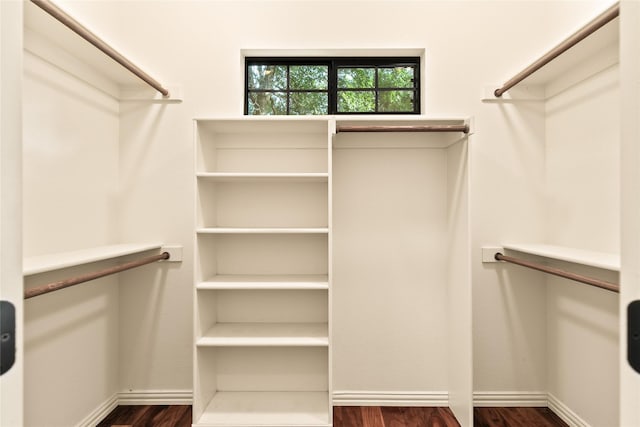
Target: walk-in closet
[{"x": 312, "y": 213}]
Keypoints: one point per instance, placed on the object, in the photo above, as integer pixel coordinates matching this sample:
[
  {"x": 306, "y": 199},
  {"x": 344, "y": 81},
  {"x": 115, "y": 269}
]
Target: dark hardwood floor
[
  {"x": 387, "y": 416},
  {"x": 351, "y": 416},
  {"x": 516, "y": 417},
  {"x": 149, "y": 416}
]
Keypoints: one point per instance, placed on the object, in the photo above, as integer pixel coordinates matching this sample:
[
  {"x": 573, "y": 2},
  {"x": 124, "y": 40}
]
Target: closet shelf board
[
  {"x": 58, "y": 261},
  {"x": 295, "y": 408},
  {"x": 52, "y": 41},
  {"x": 591, "y": 55},
  {"x": 261, "y": 177},
  {"x": 579, "y": 54},
  {"x": 265, "y": 124},
  {"x": 603, "y": 260},
  {"x": 265, "y": 282},
  {"x": 265, "y": 230},
  {"x": 266, "y": 334}
]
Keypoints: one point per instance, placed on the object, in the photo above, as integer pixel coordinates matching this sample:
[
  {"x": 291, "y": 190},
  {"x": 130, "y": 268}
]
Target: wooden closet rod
[
  {"x": 84, "y": 32},
  {"x": 590, "y": 28},
  {"x": 561, "y": 273},
  {"x": 55, "y": 286},
  {"x": 405, "y": 128}
]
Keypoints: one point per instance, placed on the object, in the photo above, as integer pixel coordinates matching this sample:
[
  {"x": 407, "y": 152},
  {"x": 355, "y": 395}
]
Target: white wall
[
  {"x": 390, "y": 277},
  {"x": 70, "y": 175},
  {"x": 197, "y": 44}
]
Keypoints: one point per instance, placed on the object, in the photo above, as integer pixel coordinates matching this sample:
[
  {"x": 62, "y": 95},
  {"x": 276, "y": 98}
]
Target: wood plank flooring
[
  {"x": 516, "y": 417},
  {"x": 148, "y": 416},
  {"x": 351, "y": 416},
  {"x": 387, "y": 416}
]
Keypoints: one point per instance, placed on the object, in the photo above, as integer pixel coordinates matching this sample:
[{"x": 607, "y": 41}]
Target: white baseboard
[
  {"x": 155, "y": 397},
  {"x": 146, "y": 397},
  {"x": 100, "y": 412},
  {"x": 390, "y": 398},
  {"x": 510, "y": 398},
  {"x": 566, "y": 414},
  {"x": 355, "y": 398},
  {"x": 529, "y": 398}
]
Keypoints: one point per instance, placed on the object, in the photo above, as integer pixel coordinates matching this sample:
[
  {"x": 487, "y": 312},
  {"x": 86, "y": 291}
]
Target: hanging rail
[
  {"x": 404, "y": 128},
  {"x": 55, "y": 286},
  {"x": 561, "y": 273},
  {"x": 584, "y": 32},
  {"x": 86, "y": 34}
]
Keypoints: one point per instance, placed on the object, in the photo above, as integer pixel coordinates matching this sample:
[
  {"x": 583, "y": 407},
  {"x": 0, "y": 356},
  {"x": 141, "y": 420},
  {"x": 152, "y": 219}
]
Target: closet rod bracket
[
  {"x": 174, "y": 251},
  {"x": 489, "y": 253}
]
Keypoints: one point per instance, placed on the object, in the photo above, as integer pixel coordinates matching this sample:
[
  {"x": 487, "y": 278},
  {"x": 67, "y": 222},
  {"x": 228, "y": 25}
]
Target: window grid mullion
[
  {"x": 288, "y": 89},
  {"x": 375, "y": 88}
]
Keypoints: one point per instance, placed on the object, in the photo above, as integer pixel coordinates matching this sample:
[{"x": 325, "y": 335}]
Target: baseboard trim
[
  {"x": 390, "y": 398},
  {"x": 510, "y": 398},
  {"x": 355, "y": 398},
  {"x": 147, "y": 397},
  {"x": 100, "y": 412},
  {"x": 565, "y": 413},
  {"x": 155, "y": 397}
]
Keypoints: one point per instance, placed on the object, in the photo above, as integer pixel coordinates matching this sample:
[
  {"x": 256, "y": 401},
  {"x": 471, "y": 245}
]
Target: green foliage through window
[{"x": 299, "y": 86}]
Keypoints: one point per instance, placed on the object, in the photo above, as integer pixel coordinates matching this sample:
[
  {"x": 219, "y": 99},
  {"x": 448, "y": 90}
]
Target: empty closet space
[
  {"x": 399, "y": 206},
  {"x": 580, "y": 96},
  {"x": 262, "y": 272}
]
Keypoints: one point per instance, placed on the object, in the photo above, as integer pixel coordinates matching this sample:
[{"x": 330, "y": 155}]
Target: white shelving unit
[{"x": 262, "y": 273}]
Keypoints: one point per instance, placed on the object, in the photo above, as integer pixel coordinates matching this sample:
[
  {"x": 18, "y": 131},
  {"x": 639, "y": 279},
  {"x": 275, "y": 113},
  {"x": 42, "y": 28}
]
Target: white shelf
[
  {"x": 595, "y": 53},
  {"x": 58, "y": 261},
  {"x": 296, "y": 408},
  {"x": 263, "y": 282},
  {"x": 259, "y": 177},
  {"x": 261, "y": 124},
  {"x": 266, "y": 334},
  {"x": 263, "y": 230},
  {"x": 49, "y": 39},
  {"x": 604, "y": 260}
]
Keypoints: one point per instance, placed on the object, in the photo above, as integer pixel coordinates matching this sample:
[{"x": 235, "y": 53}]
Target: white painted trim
[
  {"x": 566, "y": 414},
  {"x": 100, "y": 412},
  {"x": 155, "y": 397},
  {"x": 146, "y": 397},
  {"x": 510, "y": 398},
  {"x": 390, "y": 398}
]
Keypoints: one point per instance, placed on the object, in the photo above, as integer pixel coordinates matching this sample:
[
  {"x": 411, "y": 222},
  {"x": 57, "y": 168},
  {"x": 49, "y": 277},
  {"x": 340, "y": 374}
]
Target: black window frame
[{"x": 333, "y": 64}]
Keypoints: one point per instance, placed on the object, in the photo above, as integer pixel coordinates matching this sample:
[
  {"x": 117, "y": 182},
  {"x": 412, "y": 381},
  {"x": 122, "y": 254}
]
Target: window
[{"x": 281, "y": 86}]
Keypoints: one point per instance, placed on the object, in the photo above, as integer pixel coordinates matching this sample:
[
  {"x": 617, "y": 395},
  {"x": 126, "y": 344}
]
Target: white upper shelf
[
  {"x": 50, "y": 262},
  {"x": 598, "y": 51},
  {"x": 53, "y": 42},
  {"x": 604, "y": 260}
]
